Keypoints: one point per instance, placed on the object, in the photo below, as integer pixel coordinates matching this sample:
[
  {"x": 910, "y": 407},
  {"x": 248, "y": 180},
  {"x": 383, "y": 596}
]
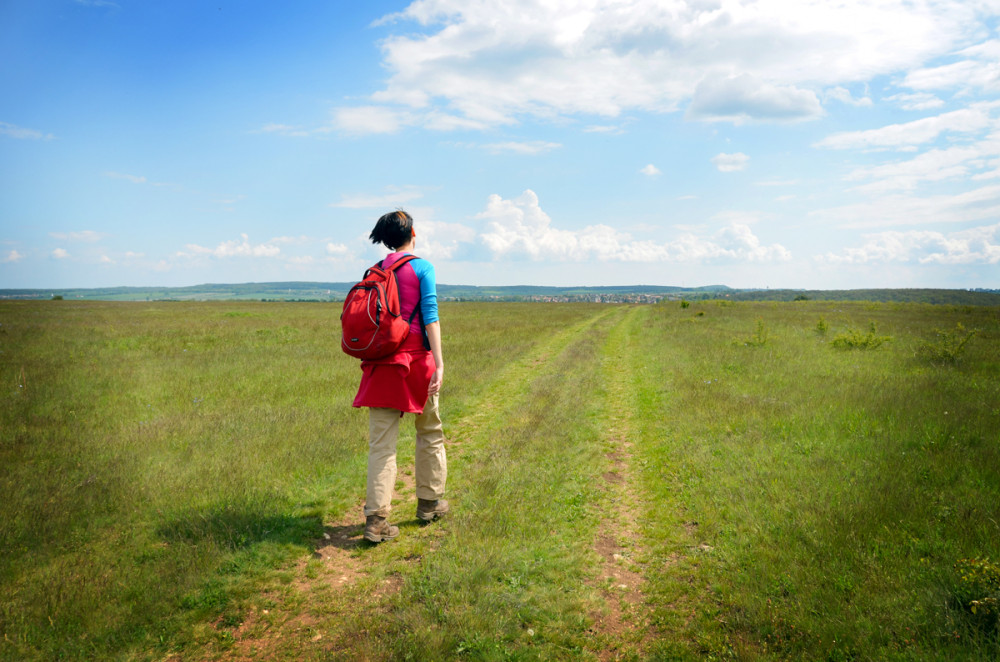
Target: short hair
[{"x": 393, "y": 229}]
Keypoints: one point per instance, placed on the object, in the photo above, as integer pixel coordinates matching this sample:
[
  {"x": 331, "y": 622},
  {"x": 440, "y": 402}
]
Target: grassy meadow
[{"x": 762, "y": 481}]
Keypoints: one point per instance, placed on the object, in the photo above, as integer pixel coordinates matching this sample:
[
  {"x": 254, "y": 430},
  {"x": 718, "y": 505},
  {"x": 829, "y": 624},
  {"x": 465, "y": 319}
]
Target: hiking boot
[
  {"x": 430, "y": 509},
  {"x": 377, "y": 529}
]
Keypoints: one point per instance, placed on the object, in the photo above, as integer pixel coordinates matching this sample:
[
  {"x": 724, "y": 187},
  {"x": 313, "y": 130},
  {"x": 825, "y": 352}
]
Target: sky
[{"x": 755, "y": 144}]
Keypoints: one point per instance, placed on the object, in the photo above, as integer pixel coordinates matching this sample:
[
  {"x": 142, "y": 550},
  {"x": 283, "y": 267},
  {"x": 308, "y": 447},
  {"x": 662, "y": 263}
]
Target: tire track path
[
  {"x": 348, "y": 575},
  {"x": 508, "y": 387},
  {"x": 623, "y": 624}
]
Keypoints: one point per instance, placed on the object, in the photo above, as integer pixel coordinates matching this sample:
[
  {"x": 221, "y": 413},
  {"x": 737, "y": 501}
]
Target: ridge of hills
[{"x": 320, "y": 291}]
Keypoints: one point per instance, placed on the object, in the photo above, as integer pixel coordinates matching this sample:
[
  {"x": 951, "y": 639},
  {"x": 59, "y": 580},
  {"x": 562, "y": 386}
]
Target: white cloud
[
  {"x": 603, "y": 128},
  {"x": 904, "y": 209},
  {"x": 528, "y": 148},
  {"x": 441, "y": 121},
  {"x": 106, "y": 260},
  {"x": 337, "y": 250},
  {"x": 843, "y": 95},
  {"x": 931, "y": 179},
  {"x": 730, "y": 162},
  {"x": 520, "y": 227},
  {"x": 86, "y": 236},
  {"x": 491, "y": 62},
  {"x": 439, "y": 240},
  {"x": 650, "y": 170},
  {"x": 21, "y": 133},
  {"x": 234, "y": 248},
  {"x": 742, "y": 98},
  {"x": 371, "y": 119},
  {"x": 739, "y": 242},
  {"x": 916, "y": 101},
  {"x": 394, "y": 197},
  {"x": 12, "y": 256},
  {"x": 957, "y": 162},
  {"x": 60, "y": 254},
  {"x": 967, "y": 120},
  {"x": 974, "y": 246},
  {"x": 979, "y": 70}
]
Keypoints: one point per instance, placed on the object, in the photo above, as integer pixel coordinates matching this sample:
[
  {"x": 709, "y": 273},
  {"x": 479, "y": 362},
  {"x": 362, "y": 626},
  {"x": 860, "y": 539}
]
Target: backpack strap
[
  {"x": 398, "y": 263},
  {"x": 416, "y": 309},
  {"x": 395, "y": 265}
]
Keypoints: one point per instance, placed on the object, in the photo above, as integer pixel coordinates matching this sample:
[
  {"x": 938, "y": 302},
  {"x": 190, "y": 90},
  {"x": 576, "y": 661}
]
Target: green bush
[
  {"x": 759, "y": 337},
  {"x": 854, "y": 339},
  {"x": 947, "y": 347},
  {"x": 979, "y": 591}
]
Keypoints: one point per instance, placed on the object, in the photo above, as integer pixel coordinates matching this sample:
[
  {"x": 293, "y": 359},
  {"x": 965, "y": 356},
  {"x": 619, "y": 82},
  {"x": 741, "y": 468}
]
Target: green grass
[
  {"x": 816, "y": 499},
  {"x": 168, "y": 467},
  {"x": 159, "y": 458},
  {"x": 506, "y": 578}
]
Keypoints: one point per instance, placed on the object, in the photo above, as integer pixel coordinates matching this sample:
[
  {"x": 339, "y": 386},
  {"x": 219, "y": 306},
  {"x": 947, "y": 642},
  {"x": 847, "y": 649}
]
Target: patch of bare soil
[
  {"x": 263, "y": 631},
  {"x": 266, "y": 634},
  {"x": 624, "y": 622}
]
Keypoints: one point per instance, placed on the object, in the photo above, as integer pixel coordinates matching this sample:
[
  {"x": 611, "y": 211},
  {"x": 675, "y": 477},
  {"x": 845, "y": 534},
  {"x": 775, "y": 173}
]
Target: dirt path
[
  {"x": 623, "y": 623},
  {"x": 338, "y": 580}
]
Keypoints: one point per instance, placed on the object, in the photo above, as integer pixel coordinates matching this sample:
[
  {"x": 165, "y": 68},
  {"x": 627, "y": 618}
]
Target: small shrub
[
  {"x": 948, "y": 345},
  {"x": 685, "y": 304},
  {"x": 979, "y": 591},
  {"x": 821, "y": 327},
  {"x": 759, "y": 337},
  {"x": 801, "y": 297},
  {"x": 57, "y": 297},
  {"x": 854, "y": 339}
]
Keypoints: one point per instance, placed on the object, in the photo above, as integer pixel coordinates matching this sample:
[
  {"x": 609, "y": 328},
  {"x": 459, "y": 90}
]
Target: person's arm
[
  {"x": 429, "y": 314},
  {"x": 434, "y": 337}
]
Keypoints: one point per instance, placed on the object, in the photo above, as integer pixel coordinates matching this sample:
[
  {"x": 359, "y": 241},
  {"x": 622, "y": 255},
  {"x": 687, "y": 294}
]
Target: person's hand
[{"x": 436, "y": 381}]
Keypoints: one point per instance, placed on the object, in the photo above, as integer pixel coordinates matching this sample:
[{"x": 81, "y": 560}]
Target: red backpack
[{"x": 371, "y": 322}]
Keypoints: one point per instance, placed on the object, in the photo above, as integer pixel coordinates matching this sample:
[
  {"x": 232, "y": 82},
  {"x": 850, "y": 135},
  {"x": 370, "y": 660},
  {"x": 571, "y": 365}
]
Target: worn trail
[
  {"x": 332, "y": 595},
  {"x": 623, "y": 623}
]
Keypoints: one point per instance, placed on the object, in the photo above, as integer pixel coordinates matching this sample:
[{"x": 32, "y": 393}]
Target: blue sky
[{"x": 598, "y": 142}]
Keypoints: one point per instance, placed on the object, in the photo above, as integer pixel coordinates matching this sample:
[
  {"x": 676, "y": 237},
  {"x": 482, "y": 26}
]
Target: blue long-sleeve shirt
[{"x": 417, "y": 284}]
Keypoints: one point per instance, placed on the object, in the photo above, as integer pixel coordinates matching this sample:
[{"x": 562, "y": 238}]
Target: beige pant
[{"x": 430, "y": 461}]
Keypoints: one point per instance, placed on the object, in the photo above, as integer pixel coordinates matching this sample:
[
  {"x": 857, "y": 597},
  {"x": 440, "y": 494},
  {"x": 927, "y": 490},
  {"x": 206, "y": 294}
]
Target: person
[{"x": 408, "y": 381}]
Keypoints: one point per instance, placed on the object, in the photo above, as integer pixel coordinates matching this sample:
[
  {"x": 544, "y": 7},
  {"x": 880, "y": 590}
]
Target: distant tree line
[
  {"x": 331, "y": 292},
  {"x": 978, "y": 297}
]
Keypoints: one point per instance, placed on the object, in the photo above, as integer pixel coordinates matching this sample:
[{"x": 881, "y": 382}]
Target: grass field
[{"x": 759, "y": 481}]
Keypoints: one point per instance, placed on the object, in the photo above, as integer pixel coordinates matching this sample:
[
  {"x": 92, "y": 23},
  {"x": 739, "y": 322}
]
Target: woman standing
[{"x": 408, "y": 381}]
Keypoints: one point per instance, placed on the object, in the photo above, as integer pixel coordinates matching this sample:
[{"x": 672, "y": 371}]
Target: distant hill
[{"x": 312, "y": 291}]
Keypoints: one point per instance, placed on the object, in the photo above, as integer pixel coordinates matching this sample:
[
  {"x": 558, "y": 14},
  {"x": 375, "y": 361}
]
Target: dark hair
[{"x": 393, "y": 229}]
